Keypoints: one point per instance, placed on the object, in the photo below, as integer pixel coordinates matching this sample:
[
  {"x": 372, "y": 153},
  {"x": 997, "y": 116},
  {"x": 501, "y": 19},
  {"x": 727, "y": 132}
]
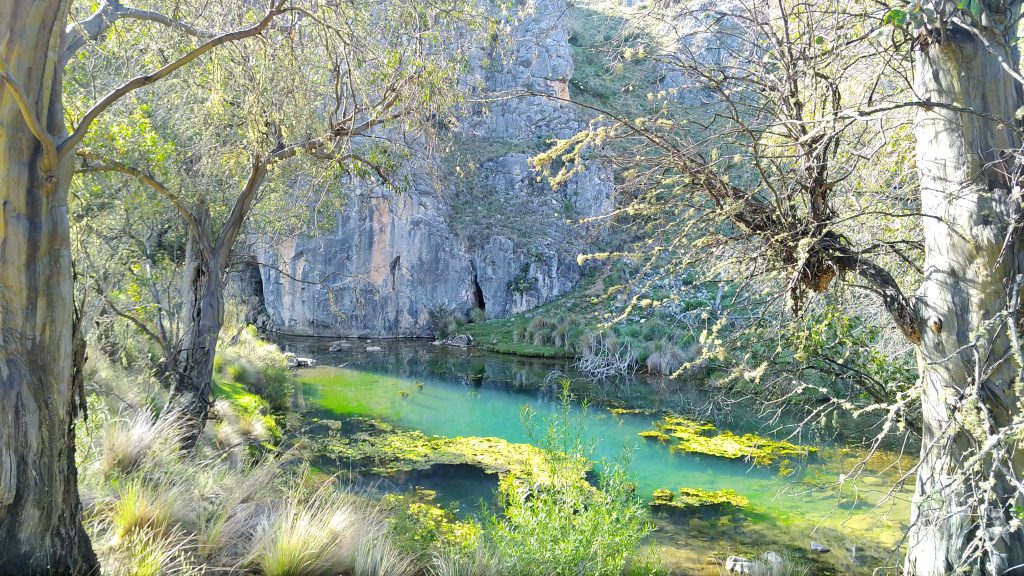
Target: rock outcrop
[{"x": 500, "y": 239}]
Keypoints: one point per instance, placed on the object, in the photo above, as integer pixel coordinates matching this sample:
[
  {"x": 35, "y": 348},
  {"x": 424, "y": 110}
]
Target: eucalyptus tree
[
  {"x": 789, "y": 161},
  {"x": 345, "y": 94},
  {"x": 40, "y": 511}
]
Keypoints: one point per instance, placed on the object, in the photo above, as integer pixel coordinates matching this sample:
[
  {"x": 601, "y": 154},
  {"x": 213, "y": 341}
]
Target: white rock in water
[
  {"x": 738, "y": 565},
  {"x": 374, "y": 349},
  {"x": 820, "y": 548}
]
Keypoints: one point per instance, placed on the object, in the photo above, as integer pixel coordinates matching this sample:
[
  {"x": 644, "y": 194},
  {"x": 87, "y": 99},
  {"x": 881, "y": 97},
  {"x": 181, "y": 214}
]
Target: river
[{"x": 451, "y": 392}]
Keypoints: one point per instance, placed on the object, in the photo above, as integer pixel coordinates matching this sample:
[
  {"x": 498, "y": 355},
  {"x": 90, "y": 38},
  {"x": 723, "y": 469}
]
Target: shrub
[
  {"x": 568, "y": 527},
  {"x": 444, "y": 323},
  {"x": 665, "y": 358},
  {"x": 276, "y": 387},
  {"x": 477, "y": 315}
]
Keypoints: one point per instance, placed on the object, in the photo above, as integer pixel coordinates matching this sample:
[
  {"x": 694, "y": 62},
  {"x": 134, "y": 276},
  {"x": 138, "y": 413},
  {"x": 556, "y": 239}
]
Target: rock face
[{"x": 498, "y": 239}]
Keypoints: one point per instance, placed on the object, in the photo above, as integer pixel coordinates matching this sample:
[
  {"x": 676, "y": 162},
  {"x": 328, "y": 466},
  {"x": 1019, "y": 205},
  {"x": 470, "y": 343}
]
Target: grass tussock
[{"x": 236, "y": 505}]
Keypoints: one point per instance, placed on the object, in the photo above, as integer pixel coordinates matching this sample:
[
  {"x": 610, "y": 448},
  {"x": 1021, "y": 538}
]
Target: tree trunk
[
  {"x": 40, "y": 512},
  {"x": 962, "y": 515},
  {"x": 192, "y": 392}
]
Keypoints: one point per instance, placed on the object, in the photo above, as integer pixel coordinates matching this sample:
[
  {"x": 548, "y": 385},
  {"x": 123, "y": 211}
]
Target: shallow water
[{"x": 475, "y": 394}]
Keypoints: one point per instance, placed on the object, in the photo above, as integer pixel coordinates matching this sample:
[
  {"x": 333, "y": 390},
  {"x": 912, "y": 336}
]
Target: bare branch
[{"x": 77, "y": 34}]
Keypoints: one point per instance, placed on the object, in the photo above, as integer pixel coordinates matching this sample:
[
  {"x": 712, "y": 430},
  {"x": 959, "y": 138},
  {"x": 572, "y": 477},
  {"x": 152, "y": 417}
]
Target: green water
[{"x": 468, "y": 394}]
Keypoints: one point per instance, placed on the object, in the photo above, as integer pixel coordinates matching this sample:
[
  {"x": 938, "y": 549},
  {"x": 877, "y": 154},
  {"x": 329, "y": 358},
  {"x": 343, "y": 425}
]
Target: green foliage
[
  {"x": 477, "y": 315},
  {"x": 523, "y": 282},
  {"x": 567, "y": 527},
  {"x": 444, "y": 322},
  {"x": 258, "y": 367}
]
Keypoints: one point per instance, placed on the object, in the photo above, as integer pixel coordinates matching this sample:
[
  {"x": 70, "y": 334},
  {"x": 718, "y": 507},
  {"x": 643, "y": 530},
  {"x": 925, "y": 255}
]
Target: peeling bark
[
  {"x": 40, "y": 512},
  {"x": 963, "y": 510},
  {"x": 203, "y": 289}
]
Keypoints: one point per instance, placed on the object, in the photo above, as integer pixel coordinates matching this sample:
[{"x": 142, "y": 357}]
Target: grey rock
[
  {"x": 738, "y": 565},
  {"x": 820, "y": 548},
  {"x": 389, "y": 258}
]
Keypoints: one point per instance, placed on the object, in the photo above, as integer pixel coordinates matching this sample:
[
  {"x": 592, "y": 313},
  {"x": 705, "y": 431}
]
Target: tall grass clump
[
  {"x": 665, "y": 358},
  {"x": 257, "y": 365},
  {"x": 130, "y": 439}
]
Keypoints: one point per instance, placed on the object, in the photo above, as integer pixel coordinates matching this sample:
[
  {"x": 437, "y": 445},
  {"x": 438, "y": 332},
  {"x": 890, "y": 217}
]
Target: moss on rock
[
  {"x": 692, "y": 437},
  {"x": 379, "y": 448},
  {"x": 691, "y": 499}
]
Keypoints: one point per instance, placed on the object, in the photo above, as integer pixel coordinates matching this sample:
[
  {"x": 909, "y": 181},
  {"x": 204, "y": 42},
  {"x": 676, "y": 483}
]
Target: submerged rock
[
  {"x": 298, "y": 361},
  {"x": 695, "y": 437},
  {"x": 459, "y": 341},
  {"x": 820, "y": 548}
]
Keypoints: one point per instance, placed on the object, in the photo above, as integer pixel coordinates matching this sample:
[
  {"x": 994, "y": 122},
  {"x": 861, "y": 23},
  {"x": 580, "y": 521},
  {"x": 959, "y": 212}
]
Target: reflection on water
[{"x": 466, "y": 393}]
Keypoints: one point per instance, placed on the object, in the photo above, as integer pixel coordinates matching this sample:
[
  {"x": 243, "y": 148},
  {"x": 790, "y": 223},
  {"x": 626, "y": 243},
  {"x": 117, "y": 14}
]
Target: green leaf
[{"x": 895, "y": 17}]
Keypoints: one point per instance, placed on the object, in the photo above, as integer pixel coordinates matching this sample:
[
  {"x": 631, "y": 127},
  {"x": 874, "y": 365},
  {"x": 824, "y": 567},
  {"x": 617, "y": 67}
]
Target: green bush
[
  {"x": 444, "y": 322},
  {"x": 477, "y": 315},
  {"x": 568, "y": 527},
  {"x": 276, "y": 387}
]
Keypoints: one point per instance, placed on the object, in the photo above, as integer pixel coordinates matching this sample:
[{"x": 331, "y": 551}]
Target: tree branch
[
  {"x": 50, "y": 158},
  {"x": 881, "y": 282},
  {"x": 145, "y": 80},
  {"x": 77, "y": 34},
  {"x": 144, "y": 177},
  {"x": 239, "y": 212}
]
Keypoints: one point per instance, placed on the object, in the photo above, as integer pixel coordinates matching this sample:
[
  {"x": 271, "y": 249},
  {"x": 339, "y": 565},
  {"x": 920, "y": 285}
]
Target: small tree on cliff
[{"x": 789, "y": 165}]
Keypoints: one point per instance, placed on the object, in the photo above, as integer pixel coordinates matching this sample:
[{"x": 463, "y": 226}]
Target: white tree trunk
[
  {"x": 963, "y": 511},
  {"x": 40, "y": 512}
]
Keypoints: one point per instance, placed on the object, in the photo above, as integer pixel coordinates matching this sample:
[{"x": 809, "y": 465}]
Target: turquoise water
[{"x": 469, "y": 394}]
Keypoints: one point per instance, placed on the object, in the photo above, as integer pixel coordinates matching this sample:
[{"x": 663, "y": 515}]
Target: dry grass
[{"x": 132, "y": 439}]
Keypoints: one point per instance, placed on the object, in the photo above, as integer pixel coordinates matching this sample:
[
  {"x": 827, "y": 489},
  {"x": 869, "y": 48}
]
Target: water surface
[{"x": 468, "y": 393}]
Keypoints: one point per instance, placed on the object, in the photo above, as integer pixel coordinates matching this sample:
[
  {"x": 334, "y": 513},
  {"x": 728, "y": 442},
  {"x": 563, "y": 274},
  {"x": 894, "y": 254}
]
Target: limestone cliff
[{"x": 496, "y": 238}]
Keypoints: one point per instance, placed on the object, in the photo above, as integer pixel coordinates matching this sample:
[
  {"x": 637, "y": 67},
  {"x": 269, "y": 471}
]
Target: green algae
[
  {"x": 379, "y": 448},
  {"x": 692, "y": 437},
  {"x": 638, "y": 411},
  {"x": 655, "y": 435},
  {"x": 419, "y": 522},
  {"x": 690, "y": 499}
]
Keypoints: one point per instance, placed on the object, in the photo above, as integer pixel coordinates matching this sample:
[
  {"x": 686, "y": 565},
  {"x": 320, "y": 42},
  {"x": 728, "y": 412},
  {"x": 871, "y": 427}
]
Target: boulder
[{"x": 738, "y": 565}]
